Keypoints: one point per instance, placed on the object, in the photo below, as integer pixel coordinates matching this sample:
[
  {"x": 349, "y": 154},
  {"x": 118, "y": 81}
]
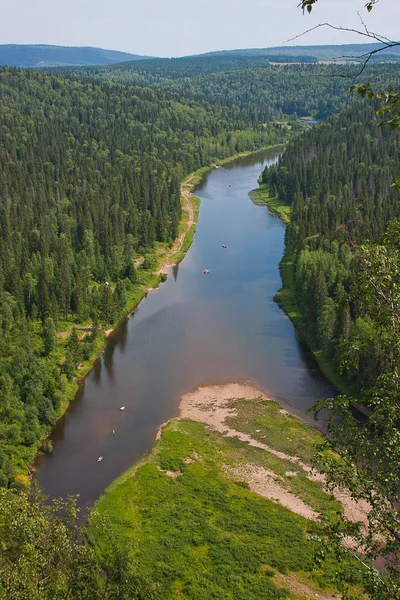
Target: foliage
[
  {"x": 45, "y": 554},
  {"x": 90, "y": 180},
  {"x": 308, "y": 5},
  {"x": 251, "y": 87},
  {"x": 348, "y": 293},
  {"x": 370, "y": 452},
  {"x": 388, "y": 98},
  {"x": 203, "y": 533},
  {"x": 337, "y": 178},
  {"x": 261, "y": 197}
]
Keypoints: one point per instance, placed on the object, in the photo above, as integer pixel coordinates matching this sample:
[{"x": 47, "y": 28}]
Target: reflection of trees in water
[
  {"x": 120, "y": 337},
  {"x": 309, "y": 360},
  {"x": 175, "y": 270},
  {"x": 118, "y": 340},
  {"x": 96, "y": 372},
  {"x": 257, "y": 158},
  {"x": 108, "y": 359}
]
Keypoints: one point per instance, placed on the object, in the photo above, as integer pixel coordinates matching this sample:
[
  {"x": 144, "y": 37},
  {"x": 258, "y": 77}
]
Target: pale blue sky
[{"x": 181, "y": 27}]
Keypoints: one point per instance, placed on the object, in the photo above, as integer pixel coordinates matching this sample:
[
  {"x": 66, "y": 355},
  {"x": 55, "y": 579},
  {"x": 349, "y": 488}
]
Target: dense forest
[
  {"x": 338, "y": 179},
  {"x": 90, "y": 180},
  {"x": 262, "y": 92},
  {"x": 91, "y": 165}
]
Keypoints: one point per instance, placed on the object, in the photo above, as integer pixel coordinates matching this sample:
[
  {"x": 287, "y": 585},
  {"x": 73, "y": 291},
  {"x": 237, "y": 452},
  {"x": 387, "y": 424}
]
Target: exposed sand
[
  {"x": 209, "y": 405},
  {"x": 265, "y": 483},
  {"x": 301, "y": 588},
  {"x": 170, "y": 474},
  {"x": 188, "y": 206}
]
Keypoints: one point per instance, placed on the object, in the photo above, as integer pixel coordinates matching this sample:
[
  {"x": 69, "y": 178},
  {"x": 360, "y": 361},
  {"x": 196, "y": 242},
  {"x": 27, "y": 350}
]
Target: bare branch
[{"x": 372, "y": 35}]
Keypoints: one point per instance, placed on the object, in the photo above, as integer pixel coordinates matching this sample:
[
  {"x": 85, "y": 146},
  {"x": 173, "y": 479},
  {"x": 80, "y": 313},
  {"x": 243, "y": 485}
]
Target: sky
[{"x": 183, "y": 27}]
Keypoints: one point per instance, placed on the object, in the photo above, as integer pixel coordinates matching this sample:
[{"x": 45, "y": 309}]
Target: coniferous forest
[
  {"x": 90, "y": 179},
  {"x": 91, "y": 165},
  {"x": 338, "y": 179}
]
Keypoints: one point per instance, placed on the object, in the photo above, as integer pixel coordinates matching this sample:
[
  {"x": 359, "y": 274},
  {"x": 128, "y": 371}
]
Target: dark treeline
[
  {"x": 89, "y": 180},
  {"x": 90, "y": 174},
  {"x": 338, "y": 178},
  {"x": 261, "y": 91}
]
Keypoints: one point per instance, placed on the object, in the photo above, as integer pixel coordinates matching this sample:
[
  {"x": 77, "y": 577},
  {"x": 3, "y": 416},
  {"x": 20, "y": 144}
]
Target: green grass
[
  {"x": 264, "y": 422},
  {"x": 187, "y": 242},
  {"x": 204, "y": 534},
  {"x": 286, "y": 296},
  {"x": 261, "y": 197}
]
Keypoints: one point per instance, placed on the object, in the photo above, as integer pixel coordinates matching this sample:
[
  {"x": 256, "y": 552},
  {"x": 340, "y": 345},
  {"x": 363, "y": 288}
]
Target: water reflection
[
  {"x": 194, "y": 330},
  {"x": 174, "y": 271}
]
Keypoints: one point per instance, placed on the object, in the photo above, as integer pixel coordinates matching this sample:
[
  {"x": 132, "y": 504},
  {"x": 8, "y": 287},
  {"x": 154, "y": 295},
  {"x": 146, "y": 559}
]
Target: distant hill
[
  {"x": 32, "y": 55},
  {"x": 321, "y": 53}
]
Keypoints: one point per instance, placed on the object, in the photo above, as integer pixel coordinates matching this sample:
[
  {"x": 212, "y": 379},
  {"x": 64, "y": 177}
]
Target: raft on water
[{"x": 206, "y": 271}]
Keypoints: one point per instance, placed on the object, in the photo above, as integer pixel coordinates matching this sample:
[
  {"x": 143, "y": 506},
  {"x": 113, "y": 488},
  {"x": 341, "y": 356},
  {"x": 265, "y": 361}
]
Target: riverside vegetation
[
  {"x": 340, "y": 275},
  {"x": 90, "y": 178},
  {"x": 336, "y": 181},
  {"x": 190, "y": 517}
]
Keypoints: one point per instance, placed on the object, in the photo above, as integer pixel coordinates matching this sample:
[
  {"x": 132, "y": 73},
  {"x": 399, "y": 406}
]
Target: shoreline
[
  {"x": 285, "y": 297},
  {"x": 160, "y": 274},
  {"x": 233, "y": 470},
  {"x": 218, "y": 407}
]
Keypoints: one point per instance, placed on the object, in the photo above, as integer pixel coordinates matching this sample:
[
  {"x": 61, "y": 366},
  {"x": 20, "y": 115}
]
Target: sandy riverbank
[{"x": 212, "y": 406}]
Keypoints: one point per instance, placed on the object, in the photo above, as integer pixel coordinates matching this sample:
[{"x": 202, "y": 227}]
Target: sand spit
[{"x": 210, "y": 405}]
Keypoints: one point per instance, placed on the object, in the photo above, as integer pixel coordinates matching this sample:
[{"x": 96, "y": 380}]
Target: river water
[{"x": 195, "y": 329}]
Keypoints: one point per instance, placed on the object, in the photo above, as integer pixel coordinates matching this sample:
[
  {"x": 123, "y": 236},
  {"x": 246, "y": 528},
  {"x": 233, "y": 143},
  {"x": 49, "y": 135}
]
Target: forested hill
[
  {"x": 89, "y": 181},
  {"x": 35, "y": 55},
  {"x": 45, "y": 55},
  {"x": 264, "y": 91},
  {"x": 338, "y": 179},
  {"x": 342, "y": 52}
]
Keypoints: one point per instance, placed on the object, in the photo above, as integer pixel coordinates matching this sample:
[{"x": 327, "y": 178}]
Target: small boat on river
[
  {"x": 122, "y": 408},
  {"x": 224, "y": 246},
  {"x": 206, "y": 271},
  {"x": 100, "y": 458}
]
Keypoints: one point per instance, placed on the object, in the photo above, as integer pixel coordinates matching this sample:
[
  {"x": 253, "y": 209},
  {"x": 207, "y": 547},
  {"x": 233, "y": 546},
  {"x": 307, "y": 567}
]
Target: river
[{"x": 195, "y": 329}]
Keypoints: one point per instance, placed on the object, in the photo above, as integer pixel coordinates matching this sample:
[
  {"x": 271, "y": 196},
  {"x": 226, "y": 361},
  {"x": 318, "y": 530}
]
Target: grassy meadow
[{"x": 196, "y": 529}]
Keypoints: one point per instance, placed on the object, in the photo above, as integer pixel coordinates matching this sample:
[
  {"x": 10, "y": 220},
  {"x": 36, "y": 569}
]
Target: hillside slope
[{"x": 35, "y": 55}]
